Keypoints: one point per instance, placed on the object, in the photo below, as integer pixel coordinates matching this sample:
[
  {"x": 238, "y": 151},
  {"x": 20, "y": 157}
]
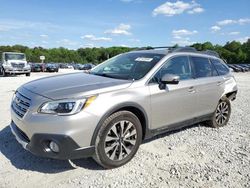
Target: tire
[
  {"x": 3, "y": 73},
  {"x": 27, "y": 74},
  {"x": 222, "y": 114},
  {"x": 113, "y": 149}
]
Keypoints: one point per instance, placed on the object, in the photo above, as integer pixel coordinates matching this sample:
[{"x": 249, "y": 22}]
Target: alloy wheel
[
  {"x": 120, "y": 140},
  {"x": 222, "y": 113}
]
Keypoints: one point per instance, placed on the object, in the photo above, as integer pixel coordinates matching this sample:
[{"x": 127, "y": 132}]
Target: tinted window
[
  {"x": 203, "y": 68},
  {"x": 178, "y": 65},
  {"x": 220, "y": 67}
]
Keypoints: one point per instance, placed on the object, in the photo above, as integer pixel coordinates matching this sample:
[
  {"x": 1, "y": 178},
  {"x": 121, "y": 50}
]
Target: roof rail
[
  {"x": 172, "y": 49},
  {"x": 176, "y": 49},
  {"x": 169, "y": 48},
  {"x": 211, "y": 52},
  {"x": 164, "y": 47},
  {"x": 184, "y": 49},
  {"x": 153, "y": 48},
  {"x": 143, "y": 48}
]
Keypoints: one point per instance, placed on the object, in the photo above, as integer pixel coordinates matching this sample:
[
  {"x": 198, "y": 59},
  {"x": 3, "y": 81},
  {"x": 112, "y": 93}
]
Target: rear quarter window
[{"x": 221, "y": 68}]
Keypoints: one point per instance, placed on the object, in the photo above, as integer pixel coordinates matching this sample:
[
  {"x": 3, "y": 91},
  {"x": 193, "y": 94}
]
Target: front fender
[{"x": 115, "y": 109}]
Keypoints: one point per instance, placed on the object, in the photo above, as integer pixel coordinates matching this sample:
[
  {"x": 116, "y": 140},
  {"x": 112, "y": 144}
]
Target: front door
[{"x": 176, "y": 103}]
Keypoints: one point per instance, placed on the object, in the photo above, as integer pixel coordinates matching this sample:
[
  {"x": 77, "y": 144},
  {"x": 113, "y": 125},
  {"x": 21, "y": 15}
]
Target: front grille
[
  {"x": 20, "y": 104},
  {"x": 17, "y": 65}
]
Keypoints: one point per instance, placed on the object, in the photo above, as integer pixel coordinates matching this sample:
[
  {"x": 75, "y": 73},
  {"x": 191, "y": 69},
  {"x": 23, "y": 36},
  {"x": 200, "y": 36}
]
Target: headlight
[
  {"x": 27, "y": 66},
  {"x": 65, "y": 107},
  {"x": 13, "y": 97}
]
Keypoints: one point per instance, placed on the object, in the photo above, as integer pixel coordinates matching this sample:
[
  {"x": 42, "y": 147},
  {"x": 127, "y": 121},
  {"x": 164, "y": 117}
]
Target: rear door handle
[
  {"x": 191, "y": 89},
  {"x": 219, "y": 83}
]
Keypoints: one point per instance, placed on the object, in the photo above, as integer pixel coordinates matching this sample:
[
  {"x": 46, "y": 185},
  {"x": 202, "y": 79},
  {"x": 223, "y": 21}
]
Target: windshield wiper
[
  {"x": 105, "y": 75},
  {"x": 111, "y": 76}
]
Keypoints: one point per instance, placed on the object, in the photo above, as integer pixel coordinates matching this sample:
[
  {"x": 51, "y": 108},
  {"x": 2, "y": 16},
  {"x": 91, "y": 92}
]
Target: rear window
[
  {"x": 220, "y": 67},
  {"x": 202, "y": 67}
]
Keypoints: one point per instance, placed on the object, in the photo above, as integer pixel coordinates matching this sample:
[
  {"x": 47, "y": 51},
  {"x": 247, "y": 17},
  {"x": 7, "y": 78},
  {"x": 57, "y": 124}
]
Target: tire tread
[{"x": 97, "y": 157}]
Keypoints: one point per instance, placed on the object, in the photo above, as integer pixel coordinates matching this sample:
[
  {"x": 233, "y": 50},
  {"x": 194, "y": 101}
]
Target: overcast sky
[{"x": 94, "y": 23}]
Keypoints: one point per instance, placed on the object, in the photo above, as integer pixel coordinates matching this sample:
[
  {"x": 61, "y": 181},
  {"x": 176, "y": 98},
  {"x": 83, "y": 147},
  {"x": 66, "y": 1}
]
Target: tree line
[{"x": 232, "y": 52}]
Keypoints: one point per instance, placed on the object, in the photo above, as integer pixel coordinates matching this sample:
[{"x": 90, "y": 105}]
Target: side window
[
  {"x": 178, "y": 65},
  {"x": 202, "y": 67},
  {"x": 220, "y": 67}
]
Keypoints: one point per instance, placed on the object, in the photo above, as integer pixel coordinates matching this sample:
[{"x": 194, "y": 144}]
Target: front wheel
[
  {"x": 222, "y": 114},
  {"x": 27, "y": 74},
  {"x": 3, "y": 73},
  {"x": 118, "y": 139}
]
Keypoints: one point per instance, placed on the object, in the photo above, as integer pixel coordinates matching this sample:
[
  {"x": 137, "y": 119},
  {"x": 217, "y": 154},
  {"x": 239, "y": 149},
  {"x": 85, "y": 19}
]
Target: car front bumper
[
  {"x": 73, "y": 134},
  {"x": 39, "y": 145},
  {"x": 17, "y": 71}
]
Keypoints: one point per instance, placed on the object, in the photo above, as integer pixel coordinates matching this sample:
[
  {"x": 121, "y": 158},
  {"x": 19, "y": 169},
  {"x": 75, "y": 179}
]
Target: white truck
[{"x": 14, "y": 63}]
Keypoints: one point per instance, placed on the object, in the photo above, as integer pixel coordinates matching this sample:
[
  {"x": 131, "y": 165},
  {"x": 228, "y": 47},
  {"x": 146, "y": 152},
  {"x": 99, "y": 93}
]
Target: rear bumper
[{"x": 39, "y": 145}]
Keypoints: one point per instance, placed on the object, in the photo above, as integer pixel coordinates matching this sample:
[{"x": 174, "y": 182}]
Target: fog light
[{"x": 54, "y": 147}]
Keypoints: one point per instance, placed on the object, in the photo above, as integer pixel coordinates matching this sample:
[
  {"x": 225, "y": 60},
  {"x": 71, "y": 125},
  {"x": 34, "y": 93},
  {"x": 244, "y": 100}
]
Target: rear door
[{"x": 207, "y": 84}]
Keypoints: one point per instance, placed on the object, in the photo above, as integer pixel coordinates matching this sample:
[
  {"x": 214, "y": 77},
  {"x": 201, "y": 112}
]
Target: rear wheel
[
  {"x": 222, "y": 114},
  {"x": 118, "y": 139}
]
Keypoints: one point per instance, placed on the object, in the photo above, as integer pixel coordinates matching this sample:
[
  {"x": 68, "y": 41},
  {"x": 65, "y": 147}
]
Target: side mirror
[{"x": 168, "y": 79}]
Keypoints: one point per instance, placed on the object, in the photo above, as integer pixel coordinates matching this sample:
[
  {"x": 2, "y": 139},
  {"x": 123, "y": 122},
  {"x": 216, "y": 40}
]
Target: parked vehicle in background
[
  {"x": 88, "y": 66},
  {"x": 51, "y": 67},
  {"x": 248, "y": 65},
  {"x": 70, "y": 67},
  {"x": 129, "y": 98},
  {"x": 37, "y": 67},
  {"x": 242, "y": 69},
  {"x": 65, "y": 66},
  {"x": 239, "y": 67},
  {"x": 76, "y": 66},
  {"x": 14, "y": 63},
  {"x": 235, "y": 69},
  {"x": 247, "y": 68}
]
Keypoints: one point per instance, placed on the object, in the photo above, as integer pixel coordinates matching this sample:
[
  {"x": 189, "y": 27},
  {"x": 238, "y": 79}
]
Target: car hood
[{"x": 74, "y": 85}]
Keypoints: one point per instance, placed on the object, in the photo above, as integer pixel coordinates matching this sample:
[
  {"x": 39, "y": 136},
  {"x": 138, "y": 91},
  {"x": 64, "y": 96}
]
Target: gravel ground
[{"x": 198, "y": 156}]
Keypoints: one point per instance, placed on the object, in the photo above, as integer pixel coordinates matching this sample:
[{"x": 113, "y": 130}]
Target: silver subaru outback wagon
[{"x": 107, "y": 113}]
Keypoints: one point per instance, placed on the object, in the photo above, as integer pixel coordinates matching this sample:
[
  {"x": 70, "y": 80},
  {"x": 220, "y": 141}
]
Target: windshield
[
  {"x": 14, "y": 57},
  {"x": 128, "y": 66}
]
